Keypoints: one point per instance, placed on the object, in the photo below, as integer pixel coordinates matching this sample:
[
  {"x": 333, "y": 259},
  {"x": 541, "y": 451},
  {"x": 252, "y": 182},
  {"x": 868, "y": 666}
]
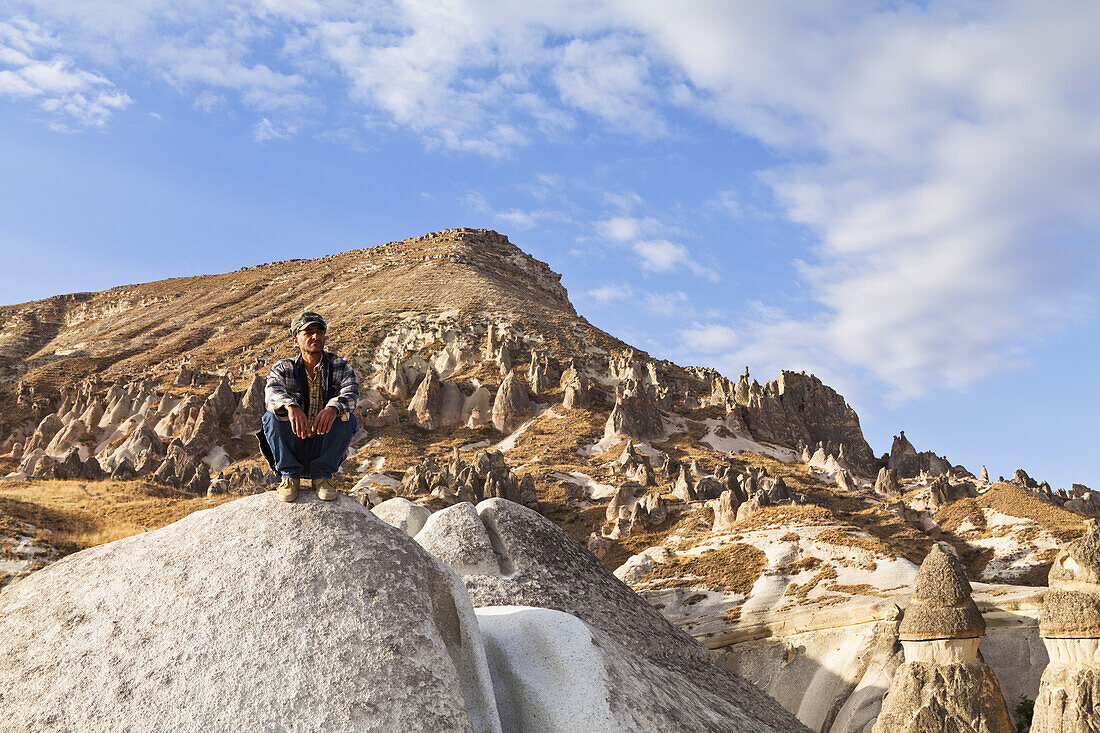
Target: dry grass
[
  {"x": 84, "y": 514},
  {"x": 847, "y": 538},
  {"x": 407, "y": 446},
  {"x": 554, "y": 441},
  {"x": 787, "y": 515},
  {"x": 732, "y": 568},
  {"x": 827, "y": 572},
  {"x": 1013, "y": 501},
  {"x": 683, "y": 523},
  {"x": 862, "y": 589},
  {"x": 686, "y": 446}
]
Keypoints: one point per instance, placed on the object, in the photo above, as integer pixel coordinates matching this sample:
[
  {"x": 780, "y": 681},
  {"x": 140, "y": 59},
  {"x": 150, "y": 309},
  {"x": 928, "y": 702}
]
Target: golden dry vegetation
[
  {"x": 966, "y": 519},
  {"x": 731, "y": 568},
  {"x": 80, "y": 514}
]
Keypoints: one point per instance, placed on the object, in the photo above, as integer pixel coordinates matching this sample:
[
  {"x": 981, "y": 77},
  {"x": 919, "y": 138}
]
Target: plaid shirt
[
  {"x": 283, "y": 387},
  {"x": 316, "y": 392}
]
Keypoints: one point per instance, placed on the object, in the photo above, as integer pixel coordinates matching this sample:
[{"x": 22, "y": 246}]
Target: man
[{"x": 309, "y": 422}]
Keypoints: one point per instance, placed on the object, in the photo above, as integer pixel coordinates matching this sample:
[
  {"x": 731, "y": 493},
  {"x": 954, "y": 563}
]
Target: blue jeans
[{"x": 316, "y": 457}]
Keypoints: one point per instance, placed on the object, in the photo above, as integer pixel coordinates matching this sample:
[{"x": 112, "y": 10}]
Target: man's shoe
[
  {"x": 325, "y": 488},
  {"x": 288, "y": 489}
]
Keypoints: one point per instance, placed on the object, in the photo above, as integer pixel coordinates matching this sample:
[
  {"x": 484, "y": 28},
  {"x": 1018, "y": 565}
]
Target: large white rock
[
  {"x": 547, "y": 671},
  {"x": 403, "y": 514},
  {"x": 256, "y": 615},
  {"x": 661, "y": 678},
  {"x": 457, "y": 536}
]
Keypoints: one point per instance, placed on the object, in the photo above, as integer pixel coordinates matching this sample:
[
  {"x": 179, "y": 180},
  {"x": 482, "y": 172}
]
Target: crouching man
[{"x": 309, "y": 422}]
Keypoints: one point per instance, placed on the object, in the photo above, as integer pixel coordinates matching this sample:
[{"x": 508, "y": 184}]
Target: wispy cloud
[
  {"x": 521, "y": 219},
  {"x": 31, "y": 69},
  {"x": 611, "y": 78},
  {"x": 266, "y": 130},
  {"x": 627, "y": 228},
  {"x": 611, "y": 292},
  {"x": 709, "y": 338},
  {"x": 661, "y": 255},
  {"x": 942, "y": 159}
]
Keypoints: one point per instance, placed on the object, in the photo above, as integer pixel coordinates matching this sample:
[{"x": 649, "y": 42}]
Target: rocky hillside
[{"x": 753, "y": 515}]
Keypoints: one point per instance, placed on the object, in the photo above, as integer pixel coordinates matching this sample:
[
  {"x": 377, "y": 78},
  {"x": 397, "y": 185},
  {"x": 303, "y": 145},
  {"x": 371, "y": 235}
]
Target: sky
[{"x": 899, "y": 197}]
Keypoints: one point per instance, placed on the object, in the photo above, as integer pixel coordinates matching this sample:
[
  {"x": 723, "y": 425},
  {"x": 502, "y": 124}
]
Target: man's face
[{"x": 311, "y": 340}]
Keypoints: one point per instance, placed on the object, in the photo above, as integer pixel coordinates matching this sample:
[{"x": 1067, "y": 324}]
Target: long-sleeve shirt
[{"x": 288, "y": 384}]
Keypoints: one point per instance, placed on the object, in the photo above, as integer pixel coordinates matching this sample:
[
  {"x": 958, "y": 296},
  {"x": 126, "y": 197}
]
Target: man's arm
[
  {"x": 277, "y": 392},
  {"x": 348, "y": 397}
]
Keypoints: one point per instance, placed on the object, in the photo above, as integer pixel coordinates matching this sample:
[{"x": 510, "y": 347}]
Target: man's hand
[
  {"x": 299, "y": 423},
  {"x": 324, "y": 420}
]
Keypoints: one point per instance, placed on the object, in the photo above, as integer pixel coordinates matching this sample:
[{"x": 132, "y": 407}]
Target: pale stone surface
[
  {"x": 457, "y": 536},
  {"x": 403, "y": 514},
  {"x": 547, "y": 671},
  {"x": 833, "y": 679},
  {"x": 652, "y": 666},
  {"x": 257, "y": 615},
  {"x": 1070, "y": 627}
]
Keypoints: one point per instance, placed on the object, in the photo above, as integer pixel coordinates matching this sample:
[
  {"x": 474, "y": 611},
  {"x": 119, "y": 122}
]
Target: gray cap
[
  {"x": 305, "y": 319},
  {"x": 941, "y": 606}
]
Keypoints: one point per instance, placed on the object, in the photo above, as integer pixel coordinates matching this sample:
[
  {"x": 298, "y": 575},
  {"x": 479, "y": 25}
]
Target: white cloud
[
  {"x": 266, "y": 130},
  {"x": 661, "y": 255},
  {"x": 610, "y": 78},
  {"x": 519, "y": 219},
  {"x": 627, "y": 228},
  {"x": 611, "y": 292},
  {"x": 624, "y": 202},
  {"x": 730, "y": 202},
  {"x": 709, "y": 338},
  {"x": 675, "y": 304},
  {"x": 72, "y": 97},
  {"x": 944, "y": 158}
]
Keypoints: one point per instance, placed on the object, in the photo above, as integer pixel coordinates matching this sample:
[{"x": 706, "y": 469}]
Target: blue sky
[{"x": 899, "y": 197}]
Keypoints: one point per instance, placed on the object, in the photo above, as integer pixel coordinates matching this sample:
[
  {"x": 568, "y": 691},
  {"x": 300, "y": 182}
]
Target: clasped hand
[{"x": 301, "y": 426}]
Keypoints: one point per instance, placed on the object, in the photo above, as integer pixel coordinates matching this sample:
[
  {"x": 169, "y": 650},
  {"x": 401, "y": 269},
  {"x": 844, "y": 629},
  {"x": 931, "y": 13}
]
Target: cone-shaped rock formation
[
  {"x": 944, "y": 685},
  {"x": 1070, "y": 627}
]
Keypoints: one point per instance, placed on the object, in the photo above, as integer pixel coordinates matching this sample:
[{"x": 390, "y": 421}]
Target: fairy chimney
[
  {"x": 944, "y": 683},
  {"x": 1070, "y": 629}
]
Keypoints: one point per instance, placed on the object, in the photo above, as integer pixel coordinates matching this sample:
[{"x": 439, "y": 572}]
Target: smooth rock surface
[
  {"x": 401, "y": 513},
  {"x": 662, "y": 678},
  {"x": 547, "y": 671},
  {"x": 257, "y": 615}
]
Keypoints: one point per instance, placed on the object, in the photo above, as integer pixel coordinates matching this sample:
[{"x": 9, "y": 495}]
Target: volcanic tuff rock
[
  {"x": 1070, "y": 627},
  {"x": 523, "y": 559},
  {"x": 636, "y": 413},
  {"x": 249, "y": 616},
  {"x": 905, "y": 460},
  {"x": 944, "y": 684},
  {"x": 511, "y": 406}
]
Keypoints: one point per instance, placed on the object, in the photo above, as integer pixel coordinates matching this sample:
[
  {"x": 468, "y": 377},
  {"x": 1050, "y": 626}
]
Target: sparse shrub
[{"x": 1024, "y": 709}]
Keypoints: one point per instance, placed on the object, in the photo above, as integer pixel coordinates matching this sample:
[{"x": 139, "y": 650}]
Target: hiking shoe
[
  {"x": 288, "y": 489},
  {"x": 325, "y": 488}
]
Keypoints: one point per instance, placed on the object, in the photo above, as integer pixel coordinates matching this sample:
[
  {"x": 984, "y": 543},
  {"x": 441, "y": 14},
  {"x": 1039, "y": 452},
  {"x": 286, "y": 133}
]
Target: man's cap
[{"x": 306, "y": 319}]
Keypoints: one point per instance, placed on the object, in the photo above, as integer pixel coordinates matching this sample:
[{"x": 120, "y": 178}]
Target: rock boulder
[
  {"x": 257, "y": 615},
  {"x": 661, "y": 678}
]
